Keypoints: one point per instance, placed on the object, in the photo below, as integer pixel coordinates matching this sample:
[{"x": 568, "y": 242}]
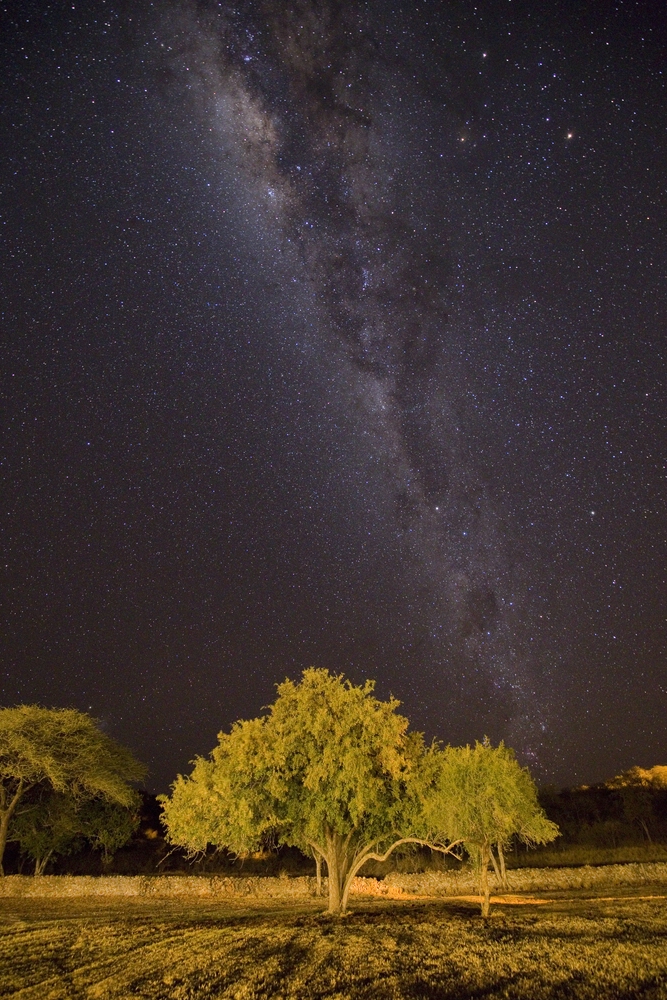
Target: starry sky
[{"x": 334, "y": 334}]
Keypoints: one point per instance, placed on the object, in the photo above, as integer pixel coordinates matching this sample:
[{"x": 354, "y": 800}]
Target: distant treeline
[{"x": 629, "y": 809}]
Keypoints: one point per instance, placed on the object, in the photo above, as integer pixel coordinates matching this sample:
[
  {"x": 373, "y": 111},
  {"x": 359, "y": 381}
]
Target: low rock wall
[
  {"x": 156, "y": 885},
  {"x": 454, "y": 883},
  {"x": 458, "y": 883}
]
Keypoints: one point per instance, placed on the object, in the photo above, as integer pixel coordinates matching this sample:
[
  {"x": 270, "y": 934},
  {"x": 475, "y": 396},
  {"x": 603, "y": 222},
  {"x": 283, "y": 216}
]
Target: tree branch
[
  {"x": 441, "y": 848},
  {"x": 362, "y": 850},
  {"x": 20, "y": 789},
  {"x": 369, "y": 855},
  {"x": 316, "y": 847}
]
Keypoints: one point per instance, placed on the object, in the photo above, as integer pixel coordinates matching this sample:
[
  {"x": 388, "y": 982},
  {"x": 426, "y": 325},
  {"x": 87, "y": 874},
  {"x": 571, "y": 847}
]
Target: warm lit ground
[{"x": 602, "y": 948}]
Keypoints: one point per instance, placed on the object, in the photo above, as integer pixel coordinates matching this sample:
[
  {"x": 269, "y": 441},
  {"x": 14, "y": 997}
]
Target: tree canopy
[
  {"x": 486, "y": 798},
  {"x": 65, "y": 751},
  {"x": 330, "y": 769},
  {"x": 641, "y": 777}
]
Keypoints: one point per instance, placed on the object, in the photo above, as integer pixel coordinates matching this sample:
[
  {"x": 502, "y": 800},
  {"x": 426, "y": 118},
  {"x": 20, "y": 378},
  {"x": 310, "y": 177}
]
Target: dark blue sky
[{"x": 335, "y": 335}]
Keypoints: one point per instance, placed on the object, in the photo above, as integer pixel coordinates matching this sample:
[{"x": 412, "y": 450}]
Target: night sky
[{"x": 334, "y": 334}]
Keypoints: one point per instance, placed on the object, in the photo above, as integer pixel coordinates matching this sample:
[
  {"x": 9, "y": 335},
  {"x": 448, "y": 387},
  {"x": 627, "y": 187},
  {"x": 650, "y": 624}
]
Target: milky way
[{"x": 313, "y": 121}]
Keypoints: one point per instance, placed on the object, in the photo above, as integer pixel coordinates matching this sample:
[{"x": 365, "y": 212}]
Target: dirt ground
[{"x": 561, "y": 945}]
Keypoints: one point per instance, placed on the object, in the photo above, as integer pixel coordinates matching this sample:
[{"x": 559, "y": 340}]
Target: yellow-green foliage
[
  {"x": 486, "y": 798},
  {"x": 50, "y": 823},
  {"x": 174, "y": 951},
  {"x": 66, "y": 750},
  {"x": 330, "y": 769},
  {"x": 647, "y": 777},
  {"x": 223, "y": 801},
  {"x": 328, "y": 755}
]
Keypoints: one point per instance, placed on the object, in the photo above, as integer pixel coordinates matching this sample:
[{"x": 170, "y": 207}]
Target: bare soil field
[{"x": 542, "y": 946}]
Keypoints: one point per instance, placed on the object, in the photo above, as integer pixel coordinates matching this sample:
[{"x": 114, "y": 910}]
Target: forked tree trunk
[
  {"x": 499, "y": 865},
  {"x": 41, "y": 863},
  {"x": 336, "y": 854},
  {"x": 344, "y": 861}
]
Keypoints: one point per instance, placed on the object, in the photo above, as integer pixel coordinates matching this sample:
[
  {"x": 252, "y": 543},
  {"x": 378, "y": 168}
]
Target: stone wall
[
  {"x": 452, "y": 883},
  {"x": 460, "y": 883}
]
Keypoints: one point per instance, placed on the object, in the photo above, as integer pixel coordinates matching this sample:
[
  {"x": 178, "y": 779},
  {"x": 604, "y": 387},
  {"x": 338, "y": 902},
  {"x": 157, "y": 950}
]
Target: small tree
[
  {"x": 51, "y": 823},
  {"x": 46, "y": 824},
  {"x": 107, "y": 826},
  {"x": 61, "y": 750},
  {"x": 485, "y": 799},
  {"x": 330, "y": 769}
]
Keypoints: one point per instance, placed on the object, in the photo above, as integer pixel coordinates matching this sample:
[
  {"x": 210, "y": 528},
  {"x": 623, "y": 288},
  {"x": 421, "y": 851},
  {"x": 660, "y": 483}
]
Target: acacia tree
[
  {"x": 330, "y": 769},
  {"x": 485, "y": 799},
  {"x": 62, "y": 750}
]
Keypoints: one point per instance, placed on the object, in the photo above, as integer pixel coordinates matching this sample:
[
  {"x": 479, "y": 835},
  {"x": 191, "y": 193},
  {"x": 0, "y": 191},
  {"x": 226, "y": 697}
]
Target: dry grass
[
  {"x": 584, "y": 854},
  {"x": 148, "y": 948}
]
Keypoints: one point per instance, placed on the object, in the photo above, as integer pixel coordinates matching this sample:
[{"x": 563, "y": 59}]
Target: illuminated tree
[
  {"x": 485, "y": 799},
  {"x": 330, "y": 769},
  {"x": 61, "y": 750}
]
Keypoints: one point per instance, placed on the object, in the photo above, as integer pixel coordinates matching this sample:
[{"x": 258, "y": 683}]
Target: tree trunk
[
  {"x": 6, "y": 812},
  {"x": 334, "y": 880},
  {"x": 41, "y": 863},
  {"x": 338, "y": 866},
  {"x": 496, "y": 868},
  {"x": 484, "y": 879},
  {"x": 346, "y": 891},
  {"x": 318, "y": 873},
  {"x": 344, "y": 860},
  {"x": 644, "y": 827},
  {"x": 503, "y": 869},
  {"x": 353, "y": 864},
  {"x": 4, "y": 830},
  {"x": 499, "y": 865}
]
